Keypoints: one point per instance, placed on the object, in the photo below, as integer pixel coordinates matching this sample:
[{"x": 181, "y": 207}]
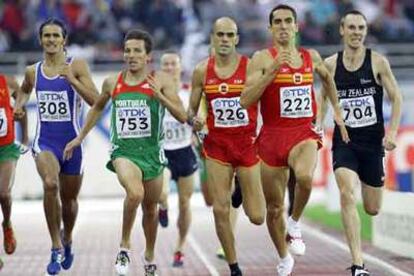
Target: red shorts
[
  {"x": 274, "y": 144},
  {"x": 234, "y": 150}
]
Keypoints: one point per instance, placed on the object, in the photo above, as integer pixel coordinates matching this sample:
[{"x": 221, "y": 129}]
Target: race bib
[
  {"x": 359, "y": 112},
  {"x": 133, "y": 122},
  {"x": 3, "y": 122},
  {"x": 53, "y": 106},
  {"x": 228, "y": 112},
  {"x": 176, "y": 132},
  {"x": 296, "y": 101}
]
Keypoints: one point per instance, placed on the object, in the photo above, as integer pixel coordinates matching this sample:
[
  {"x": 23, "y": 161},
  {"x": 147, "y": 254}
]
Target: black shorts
[
  {"x": 367, "y": 163},
  {"x": 181, "y": 162}
]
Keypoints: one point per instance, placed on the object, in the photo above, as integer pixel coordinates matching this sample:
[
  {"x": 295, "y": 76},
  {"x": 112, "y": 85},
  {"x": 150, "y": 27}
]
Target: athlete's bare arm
[
  {"x": 26, "y": 89},
  {"x": 79, "y": 77},
  {"x": 386, "y": 78},
  {"x": 15, "y": 91},
  {"x": 93, "y": 116},
  {"x": 330, "y": 63},
  {"x": 261, "y": 71},
  {"x": 197, "y": 89},
  {"x": 165, "y": 91},
  {"x": 330, "y": 88}
]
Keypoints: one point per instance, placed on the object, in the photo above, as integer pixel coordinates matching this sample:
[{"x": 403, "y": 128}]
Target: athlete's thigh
[
  {"x": 303, "y": 157},
  {"x": 70, "y": 185},
  {"x": 185, "y": 186},
  {"x": 346, "y": 180},
  {"x": 372, "y": 197},
  {"x": 274, "y": 182},
  {"x": 251, "y": 186},
  {"x": 219, "y": 178},
  {"x": 7, "y": 171},
  {"x": 47, "y": 165},
  {"x": 129, "y": 174},
  {"x": 152, "y": 190},
  {"x": 166, "y": 181}
]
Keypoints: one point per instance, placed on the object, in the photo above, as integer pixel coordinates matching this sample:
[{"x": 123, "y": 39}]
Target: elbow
[
  {"x": 183, "y": 118},
  {"x": 243, "y": 103}
]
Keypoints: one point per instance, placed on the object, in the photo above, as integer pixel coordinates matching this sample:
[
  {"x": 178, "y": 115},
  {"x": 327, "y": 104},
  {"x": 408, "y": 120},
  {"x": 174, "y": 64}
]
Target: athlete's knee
[
  {"x": 150, "y": 210},
  {"x": 221, "y": 211},
  {"x": 5, "y": 196},
  {"x": 51, "y": 185},
  {"x": 347, "y": 198},
  {"x": 184, "y": 203},
  {"x": 256, "y": 217},
  {"x": 371, "y": 209},
  {"x": 304, "y": 180},
  {"x": 275, "y": 210},
  {"x": 134, "y": 196}
]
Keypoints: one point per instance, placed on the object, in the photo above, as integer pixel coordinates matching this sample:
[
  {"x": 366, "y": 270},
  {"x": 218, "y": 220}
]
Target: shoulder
[
  {"x": 316, "y": 57},
  {"x": 31, "y": 69},
  {"x": 330, "y": 61},
  {"x": 162, "y": 76},
  {"x": 260, "y": 59},
  {"x": 110, "y": 82},
  {"x": 201, "y": 67},
  {"x": 379, "y": 60},
  {"x": 80, "y": 64},
  {"x": 200, "y": 71}
]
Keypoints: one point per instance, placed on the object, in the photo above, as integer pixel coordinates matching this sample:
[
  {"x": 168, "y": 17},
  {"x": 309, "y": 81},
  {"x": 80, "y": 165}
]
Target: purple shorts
[{"x": 73, "y": 166}]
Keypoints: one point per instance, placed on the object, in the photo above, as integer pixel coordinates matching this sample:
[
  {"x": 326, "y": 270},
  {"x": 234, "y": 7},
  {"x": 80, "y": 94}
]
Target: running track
[{"x": 98, "y": 230}]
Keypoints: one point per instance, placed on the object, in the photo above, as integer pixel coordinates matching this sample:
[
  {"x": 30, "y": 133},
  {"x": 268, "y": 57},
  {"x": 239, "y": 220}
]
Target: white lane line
[
  {"x": 194, "y": 244},
  {"x": 325, "y": 237}
]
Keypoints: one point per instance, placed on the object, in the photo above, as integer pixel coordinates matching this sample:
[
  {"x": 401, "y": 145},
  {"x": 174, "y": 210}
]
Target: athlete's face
[
  {"x": 170, "y": 63},
  {"x": 135, "y": 54},
  {"x": 52, "y": 39},
  {"x": 224, "y": 38},
  {"x": 283, "y": 26},
  {"x": 353, "y": 30}
]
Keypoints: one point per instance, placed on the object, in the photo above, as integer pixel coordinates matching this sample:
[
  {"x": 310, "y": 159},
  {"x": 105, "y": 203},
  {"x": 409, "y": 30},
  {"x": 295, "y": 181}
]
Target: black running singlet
[{"x": 361, "y": 101}]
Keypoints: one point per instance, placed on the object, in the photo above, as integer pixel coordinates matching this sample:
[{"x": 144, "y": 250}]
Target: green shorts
[
  {"x": 151, "y": 163},
  {"x": 9, "y": 152}
]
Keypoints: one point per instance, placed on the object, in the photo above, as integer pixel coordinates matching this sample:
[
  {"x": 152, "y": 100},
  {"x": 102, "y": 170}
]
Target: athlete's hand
[
  {"x": 70, "y": 147},
  {"x": 18, "y": 113},
  {"x": 389, "y": 141},
  {"x": 66, "y": 72},
  {"x": 198, "y": 123},
  {"x": 155, "y": 86}
]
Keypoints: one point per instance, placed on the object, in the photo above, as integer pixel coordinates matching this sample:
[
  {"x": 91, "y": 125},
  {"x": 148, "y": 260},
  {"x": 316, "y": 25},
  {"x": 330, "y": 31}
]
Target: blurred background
[{"x": 96, "y": 29}]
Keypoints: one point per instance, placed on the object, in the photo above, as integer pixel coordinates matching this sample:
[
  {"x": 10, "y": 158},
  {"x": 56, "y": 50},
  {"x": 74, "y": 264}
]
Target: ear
[
  {"x": 149, "y": 58},
  {"x": 341, "y": 29},
  {"x": 237, "y": 40}
]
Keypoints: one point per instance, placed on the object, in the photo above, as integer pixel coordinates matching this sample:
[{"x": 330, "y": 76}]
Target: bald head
[
  {"x": 225, "y": 22},
  {"x": 224, "y": 37}
]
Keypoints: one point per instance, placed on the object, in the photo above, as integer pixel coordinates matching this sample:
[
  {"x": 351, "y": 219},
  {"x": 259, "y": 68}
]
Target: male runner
[
  {"x": 137, "y": 157},
  {"x": 182, "y": 161},
  {"x": 229, "y": 144},
  {"x": 281, "y": 77},
  {"x": 361, "y": 75},
  {"x": 60, "y": 83}
]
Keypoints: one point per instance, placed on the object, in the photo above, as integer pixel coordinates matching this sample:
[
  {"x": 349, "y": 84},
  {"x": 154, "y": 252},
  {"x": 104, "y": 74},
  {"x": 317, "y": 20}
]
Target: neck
[
  {"x": 289, "y": 46},
  {"x": 353, "y": 53},
  {"x": 54, "y": 59},
  {"x": 136, "y": 76},
  {"x": 222, "y": 61}
]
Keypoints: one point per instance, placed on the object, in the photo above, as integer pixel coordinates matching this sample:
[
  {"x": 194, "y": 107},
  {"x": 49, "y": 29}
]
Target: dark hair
[
  {"x": 282, "y": 7},
  {"x": 53, "y": 21},
  {"x": 353, "y": 12},
  {"x": 140, "y": 35}
]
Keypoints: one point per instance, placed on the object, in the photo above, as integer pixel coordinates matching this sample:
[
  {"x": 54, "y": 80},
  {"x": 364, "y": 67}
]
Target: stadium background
[{"x": 96, "y": 29}]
